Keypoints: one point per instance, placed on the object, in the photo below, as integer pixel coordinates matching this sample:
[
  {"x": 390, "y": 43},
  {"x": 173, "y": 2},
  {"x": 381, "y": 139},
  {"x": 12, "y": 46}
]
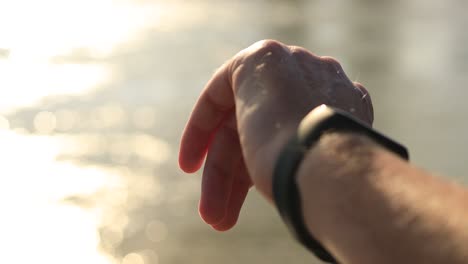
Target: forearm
[{"x": 367, "y": 206}]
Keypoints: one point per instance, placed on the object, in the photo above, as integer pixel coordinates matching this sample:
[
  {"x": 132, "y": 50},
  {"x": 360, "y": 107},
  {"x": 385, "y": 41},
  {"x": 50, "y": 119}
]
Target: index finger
[{"x": 214, "y": 103}]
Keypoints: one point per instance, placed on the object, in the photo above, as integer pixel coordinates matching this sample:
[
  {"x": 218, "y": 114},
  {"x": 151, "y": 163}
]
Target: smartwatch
[{"x": 321, "y": 120}]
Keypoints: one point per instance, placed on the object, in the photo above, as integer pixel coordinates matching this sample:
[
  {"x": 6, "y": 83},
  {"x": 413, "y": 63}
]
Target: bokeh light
[
  {"x": 156, "y": 231},
  {"x": 4, "y": 123},
  {"x": 144, "y": 117},
  {"x": 66, "y": 120},
  {"x": 110, "y": 115},
  {"x": 45, "y": 122},
  {"x": 95, "y": 95},
  {"x": 133, "y": 258}
]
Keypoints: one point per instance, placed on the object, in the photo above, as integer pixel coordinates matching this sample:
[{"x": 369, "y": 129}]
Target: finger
[
  {"x": 365, "y": 96},
  {"x": 222, "y": 164},
  {"x": 240, "y": 188},
  {"x": 213, "y": 104}
]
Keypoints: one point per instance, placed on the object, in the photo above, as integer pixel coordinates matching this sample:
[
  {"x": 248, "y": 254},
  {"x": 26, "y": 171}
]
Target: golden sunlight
[
  {"x": 38, "y": 225},
  {"x": 31, "y": 199},
  {"x": 35, "y": 33}
]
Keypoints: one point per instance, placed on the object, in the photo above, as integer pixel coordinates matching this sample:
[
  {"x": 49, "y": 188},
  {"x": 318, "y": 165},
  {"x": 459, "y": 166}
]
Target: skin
[
  {"x": 364, "y": 204},
  {"x": 246, "y": 113}
]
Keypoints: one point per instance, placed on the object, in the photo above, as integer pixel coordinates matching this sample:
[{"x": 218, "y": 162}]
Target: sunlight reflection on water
[
  {"x": 27, "y": 81},
  {"x": 41, "y": 188},
  {"x": 34, "y": 185},
  {"x": 34, "y": 41},
  {"x": 45, "y": 194},
  {"x": 95, "y": 93}
]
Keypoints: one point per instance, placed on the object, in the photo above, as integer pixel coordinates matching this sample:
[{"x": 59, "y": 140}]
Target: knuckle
[
  {"x": 331, "y": 62},
  {"x": 297, "y": 50},
  {"x": 269, "y": 47},
  {"x": 303, "y": 55},
  {"x": 302, "y": 52},
  {"x": 264, "y": 51}
]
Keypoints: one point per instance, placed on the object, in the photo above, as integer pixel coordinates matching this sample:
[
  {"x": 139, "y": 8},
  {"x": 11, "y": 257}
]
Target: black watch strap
[{"x": 285, "y": 191}]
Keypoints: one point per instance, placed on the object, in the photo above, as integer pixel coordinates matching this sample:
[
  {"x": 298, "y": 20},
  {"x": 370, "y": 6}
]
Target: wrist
[
  {"x": 336, "y": 162},
  {"x": 332, "y": 155},
  {"x": 264, "y": 159}
]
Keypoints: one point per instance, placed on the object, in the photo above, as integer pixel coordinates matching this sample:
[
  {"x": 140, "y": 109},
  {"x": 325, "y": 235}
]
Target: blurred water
[{"x": 94, "y": 96}]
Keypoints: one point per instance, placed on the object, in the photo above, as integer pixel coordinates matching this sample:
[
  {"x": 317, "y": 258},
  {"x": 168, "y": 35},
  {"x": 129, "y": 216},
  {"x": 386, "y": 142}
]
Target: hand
[{"x": 248, "y": 111}]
